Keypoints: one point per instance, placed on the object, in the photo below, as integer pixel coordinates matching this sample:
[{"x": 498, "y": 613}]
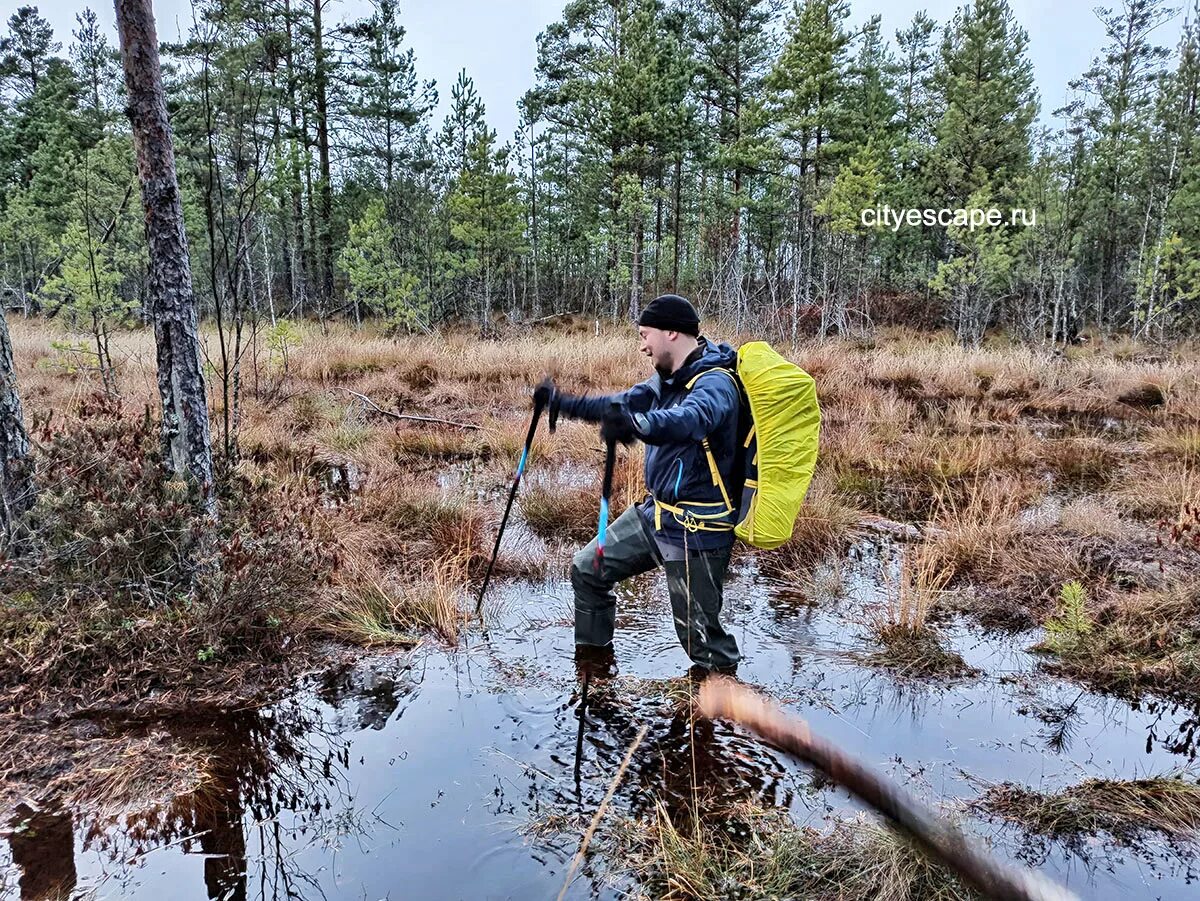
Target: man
[{"x": 689, "y": 414}]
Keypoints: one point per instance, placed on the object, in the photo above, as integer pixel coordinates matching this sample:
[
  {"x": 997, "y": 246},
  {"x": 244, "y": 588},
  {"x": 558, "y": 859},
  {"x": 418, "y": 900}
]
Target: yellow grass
[{"x": 915, "y": 427}]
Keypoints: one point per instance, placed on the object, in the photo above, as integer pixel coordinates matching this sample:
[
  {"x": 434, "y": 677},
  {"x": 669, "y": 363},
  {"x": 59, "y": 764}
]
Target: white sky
[{"x": 495, "y": 40}]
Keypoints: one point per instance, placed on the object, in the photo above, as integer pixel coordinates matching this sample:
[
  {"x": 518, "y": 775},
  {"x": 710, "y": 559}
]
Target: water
[{"x": 424, "y": 775}]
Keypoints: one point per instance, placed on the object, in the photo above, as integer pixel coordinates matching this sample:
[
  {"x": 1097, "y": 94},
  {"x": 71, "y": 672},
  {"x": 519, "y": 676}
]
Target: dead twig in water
[
  {"x": 409, "y": 416},
  {"x": 587, "y": 836},
  {"x": 940, "y": 839}
]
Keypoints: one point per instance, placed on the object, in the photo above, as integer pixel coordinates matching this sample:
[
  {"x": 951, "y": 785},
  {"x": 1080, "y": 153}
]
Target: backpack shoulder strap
[
  {"x": 712, "y": 461},
  {"x": 700, "y": 375}
]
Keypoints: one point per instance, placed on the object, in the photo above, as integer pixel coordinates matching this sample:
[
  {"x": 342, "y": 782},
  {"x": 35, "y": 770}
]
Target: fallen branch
[
  {"x": 940, "y": 839},
  {"x": 378, "y": 409}
]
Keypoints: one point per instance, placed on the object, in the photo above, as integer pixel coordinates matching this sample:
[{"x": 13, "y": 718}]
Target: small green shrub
[{"x": 1065, "y": 631}]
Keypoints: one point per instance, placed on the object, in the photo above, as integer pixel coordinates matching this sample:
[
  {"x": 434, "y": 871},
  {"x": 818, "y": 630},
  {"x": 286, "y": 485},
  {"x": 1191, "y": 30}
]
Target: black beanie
[{"x": 671, "y": 313}]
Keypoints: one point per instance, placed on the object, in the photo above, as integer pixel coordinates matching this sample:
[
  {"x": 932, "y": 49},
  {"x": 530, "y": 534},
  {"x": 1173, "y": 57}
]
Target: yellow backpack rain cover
[{"x": 781, "y": 445}]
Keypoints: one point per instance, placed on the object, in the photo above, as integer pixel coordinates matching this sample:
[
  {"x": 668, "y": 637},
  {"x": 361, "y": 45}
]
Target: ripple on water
[{"x": 420, "y": 774}]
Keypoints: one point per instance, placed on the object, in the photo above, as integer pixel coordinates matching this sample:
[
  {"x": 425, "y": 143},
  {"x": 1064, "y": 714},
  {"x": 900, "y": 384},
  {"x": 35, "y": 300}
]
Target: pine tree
[
  {"x": 27, "y": 51},
  {"x": 735, "y": 50},
  {"x": 377, "y": 280},
  {"x": 985, "y": 83},
  {"x": 1114, "y": 127},
  {"x": 386, "y": 100},
  {"x": 906, "y": 254},
  {"x": 808, "y": 89},
  {"x": 1168, "y": 287},
  {"x": 96, "y": 68},
  {"x": 462, "y": 125},
  {"x": 187, "y": 446},
  {"x": 16, "y": 469},
  {"x": 486, "y": 222}
]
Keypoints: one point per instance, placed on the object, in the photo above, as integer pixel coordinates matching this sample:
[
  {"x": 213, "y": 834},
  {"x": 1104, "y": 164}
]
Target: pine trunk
[{"x": 187, "y": 447}]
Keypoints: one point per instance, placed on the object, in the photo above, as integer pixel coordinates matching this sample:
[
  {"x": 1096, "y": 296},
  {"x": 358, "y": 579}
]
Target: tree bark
[
  {"x": 16, "y": 474},
  {"x": 187, "y": 447}
]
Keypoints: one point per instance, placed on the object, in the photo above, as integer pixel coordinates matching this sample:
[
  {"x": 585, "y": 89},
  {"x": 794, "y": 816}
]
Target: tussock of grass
[
  {"x": 908, "y": 643},
  {"x": 1169, "y": 804},
  {"x": 1153, "y": 492},
  {"x": 1183, "y": 443},
  {"x": 1093, "y": 517},
  {"x": 424, "y": 442},
  {"x": 758, "y": 853},
  {"x": 1084, "y": 461},
  {"x": 917, "y": 653},
  {"x": 973, "y": 536},
  {"x": 554, "y": 511},
  {"x": 378, "y": 614}
]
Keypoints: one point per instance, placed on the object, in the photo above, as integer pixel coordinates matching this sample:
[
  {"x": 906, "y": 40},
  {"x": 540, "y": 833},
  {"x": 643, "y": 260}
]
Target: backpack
[{"x": 780, "y": 445}]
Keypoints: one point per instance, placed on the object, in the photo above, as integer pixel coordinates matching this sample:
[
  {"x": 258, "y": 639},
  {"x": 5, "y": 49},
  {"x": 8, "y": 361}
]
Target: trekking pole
[
  {"x": 610, "y": 458},
  {"x": 940, "y": 839},
  {"x": 512, "y": 493}
]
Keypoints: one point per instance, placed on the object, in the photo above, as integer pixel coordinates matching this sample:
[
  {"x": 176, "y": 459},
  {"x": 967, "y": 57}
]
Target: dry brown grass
[
  {"x": 397, "y": 613},
  {"x": 1180, "y": 441},
  {"x": 1088, "y": 462},
  {"x": 1169, "y": 804},
  {"x": 554, "y": 511},
  {"x": 975, "y": 536},
  {"x": 916, "y": 428},
  {"x": 1093, "y": 516},
  {"x": 1158, "y": 491},
  {"x": 431, "y": 442},
  {"x": 912, "y": 597},
  {"x": 757, "y": 853},
  {"x": 908, "y": 642}
]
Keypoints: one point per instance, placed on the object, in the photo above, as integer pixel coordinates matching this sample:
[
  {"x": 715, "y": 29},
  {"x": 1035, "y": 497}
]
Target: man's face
[{"x": 657, "y": 344}]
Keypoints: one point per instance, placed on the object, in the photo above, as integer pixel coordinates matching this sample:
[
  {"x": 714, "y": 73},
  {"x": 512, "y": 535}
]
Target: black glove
[
  {"x": 617, "y": 426},
  {"x": 545, "y": 393}
]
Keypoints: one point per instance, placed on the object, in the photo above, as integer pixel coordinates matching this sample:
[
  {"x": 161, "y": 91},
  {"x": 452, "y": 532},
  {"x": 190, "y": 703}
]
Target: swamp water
[{"x": 426, "y": 773}]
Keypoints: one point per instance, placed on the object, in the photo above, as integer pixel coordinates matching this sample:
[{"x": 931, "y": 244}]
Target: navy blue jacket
[{"x": 673, "y": 422}]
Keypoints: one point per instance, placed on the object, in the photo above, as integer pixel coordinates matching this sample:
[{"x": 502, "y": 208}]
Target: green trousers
[{"x": 695, "y": 586}]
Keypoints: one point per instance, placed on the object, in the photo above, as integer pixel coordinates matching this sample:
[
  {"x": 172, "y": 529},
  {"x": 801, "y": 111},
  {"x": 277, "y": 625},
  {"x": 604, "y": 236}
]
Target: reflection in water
[
  {"x": 376, "y": 694},
  {"x": 1062, "y": 722},
  {"x": 223, "y": 842},
  {"x": 685, "y": 761},
  {"x": 43, "y": 849},
  {"x": 263, "y": 769},
  {"x": 422, "y": 772}
]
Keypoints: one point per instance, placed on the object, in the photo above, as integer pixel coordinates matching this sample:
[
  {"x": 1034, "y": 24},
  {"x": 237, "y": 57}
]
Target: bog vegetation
[{"x": 1017, "y": 406}]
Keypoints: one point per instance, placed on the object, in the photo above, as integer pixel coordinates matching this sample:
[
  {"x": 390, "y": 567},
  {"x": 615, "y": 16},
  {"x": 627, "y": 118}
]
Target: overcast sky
[{"x": 495, "y": 40}]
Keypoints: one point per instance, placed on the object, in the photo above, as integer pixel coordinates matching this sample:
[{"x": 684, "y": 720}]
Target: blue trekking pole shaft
[
  {"x": 512, "y": 493},
  {"x": 610, "y": 457}
]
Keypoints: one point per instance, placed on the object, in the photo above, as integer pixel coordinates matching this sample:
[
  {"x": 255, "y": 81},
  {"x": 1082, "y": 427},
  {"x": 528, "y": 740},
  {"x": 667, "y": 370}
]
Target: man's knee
[{"x": 581, "y": 569}]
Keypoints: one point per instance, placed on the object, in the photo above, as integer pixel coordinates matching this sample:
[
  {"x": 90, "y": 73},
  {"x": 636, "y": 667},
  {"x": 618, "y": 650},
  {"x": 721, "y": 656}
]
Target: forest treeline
[{"x": 720, "y": 148}]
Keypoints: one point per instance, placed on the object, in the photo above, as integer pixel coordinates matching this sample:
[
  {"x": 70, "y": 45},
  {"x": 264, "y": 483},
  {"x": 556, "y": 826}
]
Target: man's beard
[{"x": 664, "y": 370}]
